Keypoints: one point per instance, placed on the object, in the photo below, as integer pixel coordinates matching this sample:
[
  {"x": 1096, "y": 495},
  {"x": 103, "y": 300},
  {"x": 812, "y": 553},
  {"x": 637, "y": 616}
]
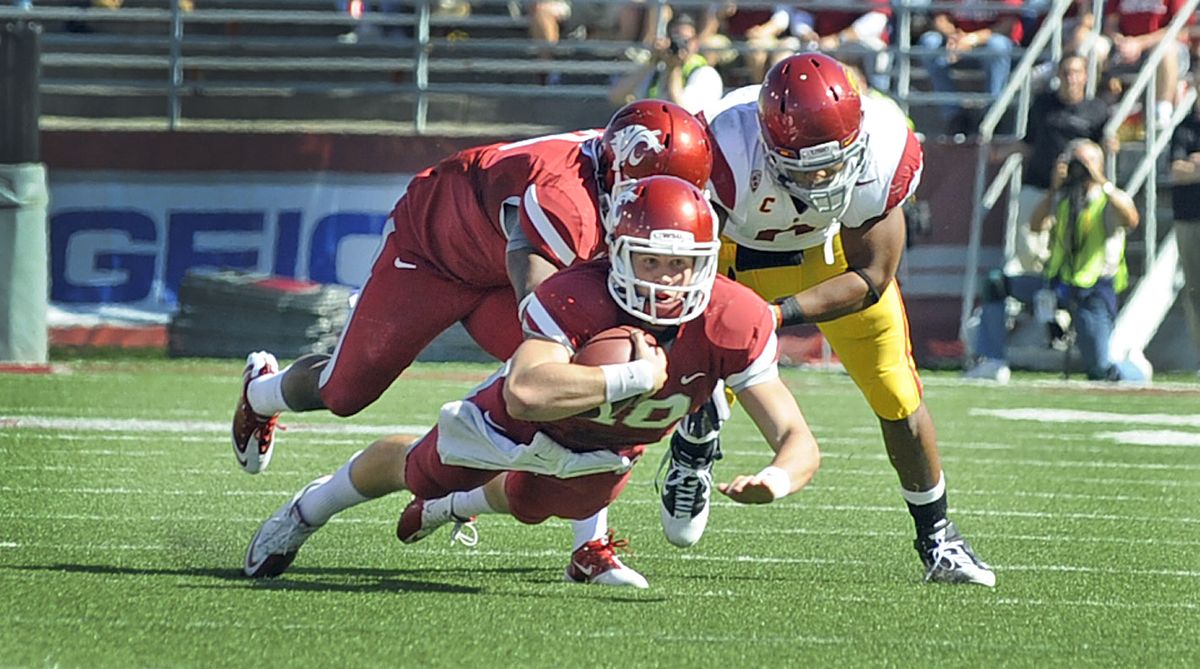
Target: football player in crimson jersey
[
  {"x": 471, "y": 236},
  {"x": 810, "y": 178},
  {"x": 493, "y": 451}
]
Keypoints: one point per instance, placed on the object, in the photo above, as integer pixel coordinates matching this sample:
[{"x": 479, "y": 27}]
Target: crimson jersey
[
  {"x": 1141, "y": 17},
  {"x": 732, "y": 340},
  {"x": 453, "y": 215},
  {"x": 973, "y": 16},
  {"x": 830, "y": 22}
]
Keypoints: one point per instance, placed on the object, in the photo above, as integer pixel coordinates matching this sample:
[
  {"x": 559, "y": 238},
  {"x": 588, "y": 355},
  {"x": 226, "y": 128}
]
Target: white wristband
[
  {"x": 778, "y": 481},
  {"x": 627, "y": 379}
]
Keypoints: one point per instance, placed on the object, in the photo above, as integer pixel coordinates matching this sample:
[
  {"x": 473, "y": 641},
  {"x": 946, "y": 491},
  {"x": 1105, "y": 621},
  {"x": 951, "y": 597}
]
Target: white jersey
[{"x": 764, "y": 216}]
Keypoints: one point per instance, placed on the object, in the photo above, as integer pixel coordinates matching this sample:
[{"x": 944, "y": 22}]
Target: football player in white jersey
[{"x": 810, "y": 177}]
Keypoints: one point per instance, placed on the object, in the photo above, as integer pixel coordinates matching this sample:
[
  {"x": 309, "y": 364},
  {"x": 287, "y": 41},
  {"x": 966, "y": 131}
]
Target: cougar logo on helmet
[
  {"x": 649, "y": 137},
  {"x": 632, "y": 143}
]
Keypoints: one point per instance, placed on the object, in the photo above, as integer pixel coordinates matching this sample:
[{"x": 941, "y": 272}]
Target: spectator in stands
[
  {"x": 1185, "y": 177},
  {"x": 633, "y": 21},
  {"x": 548, "y": 19},
  {"x": 1056, "y": 117},
  {"x": 366, "y": 29},
  {"x": 970, "y": 33},
  {"x": 676, "y": 71},
  {"x": 1087, "y": 216},
  {"x": 736, "y": 23},
  {"x": 1078, "y": 31},
  {"x": 859, "y": 37},
  {"x": 1135, "y": 28}
]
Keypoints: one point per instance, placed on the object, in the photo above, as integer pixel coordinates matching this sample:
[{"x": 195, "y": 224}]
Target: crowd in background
[{"x": 694, "y": 53}]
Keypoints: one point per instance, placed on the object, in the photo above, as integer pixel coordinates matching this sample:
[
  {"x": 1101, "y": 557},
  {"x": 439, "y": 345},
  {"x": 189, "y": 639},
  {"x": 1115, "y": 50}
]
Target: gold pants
[{"x": 873, "y": 344}]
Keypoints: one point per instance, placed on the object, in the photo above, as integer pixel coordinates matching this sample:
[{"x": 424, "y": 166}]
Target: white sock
[
  {"x": 589, "y": 529},
  {"x": 470, "y": 503},
  {"x": 334, "y": 496},
  {"x": 926, "y": 496},
  {"x": 266, "y": 394}
]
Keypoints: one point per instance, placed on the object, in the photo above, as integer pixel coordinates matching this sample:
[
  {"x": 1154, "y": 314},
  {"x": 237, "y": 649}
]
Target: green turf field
[{"x": 123, "y": 519}]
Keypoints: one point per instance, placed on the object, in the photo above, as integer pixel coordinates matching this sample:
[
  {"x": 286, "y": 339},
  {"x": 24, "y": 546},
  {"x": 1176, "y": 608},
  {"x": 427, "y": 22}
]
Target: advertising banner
[{"x": 129, "y": 241}]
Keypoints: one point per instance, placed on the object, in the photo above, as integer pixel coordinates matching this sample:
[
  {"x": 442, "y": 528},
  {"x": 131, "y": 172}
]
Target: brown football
[{"x": 610, "y": 347}]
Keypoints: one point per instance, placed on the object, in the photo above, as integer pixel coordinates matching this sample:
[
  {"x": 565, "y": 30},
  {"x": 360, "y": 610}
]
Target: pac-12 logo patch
[{"x": 755, "y": 179}]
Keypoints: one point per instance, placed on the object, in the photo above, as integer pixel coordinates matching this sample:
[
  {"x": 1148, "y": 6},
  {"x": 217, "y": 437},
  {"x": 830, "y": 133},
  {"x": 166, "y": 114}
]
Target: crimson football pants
[
  {"x": 532, "y": 498},
  {"x": 400, "y": 310}
]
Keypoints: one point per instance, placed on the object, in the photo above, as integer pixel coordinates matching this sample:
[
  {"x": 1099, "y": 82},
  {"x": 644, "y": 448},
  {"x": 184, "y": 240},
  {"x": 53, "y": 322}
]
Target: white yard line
[
  {"x": 128, "y": 519},
  {"x": 1042, "y": 415},
  {"x": 788, "y": 506},
  {"x": 189, "y": 426},
  {"x": 675, "y": 556},
  {"x": 1153, "y": 438}
]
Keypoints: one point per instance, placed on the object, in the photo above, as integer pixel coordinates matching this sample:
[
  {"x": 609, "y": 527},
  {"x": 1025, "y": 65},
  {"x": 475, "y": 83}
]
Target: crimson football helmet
[
  {"x": 665, "y": 216},
  {"x": 649, "y": 137},
  {"x": 810, "y": 113}
]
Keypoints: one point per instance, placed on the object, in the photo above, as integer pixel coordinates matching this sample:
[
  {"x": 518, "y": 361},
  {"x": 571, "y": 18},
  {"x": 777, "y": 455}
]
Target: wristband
[
  {"x": 627, "y": 379},
  {"x": 778, "y": 481},
  {"x": 790, "y": 312}
]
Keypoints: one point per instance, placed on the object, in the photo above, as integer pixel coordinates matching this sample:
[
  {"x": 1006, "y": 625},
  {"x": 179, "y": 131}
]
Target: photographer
[
  {"x": 676, "y": 72},
  {"x": 1087, "y": 217}
]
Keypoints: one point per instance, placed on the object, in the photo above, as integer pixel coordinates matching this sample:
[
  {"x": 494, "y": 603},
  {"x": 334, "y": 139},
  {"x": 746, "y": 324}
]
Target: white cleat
[
  {"x": 596, "y": 563},
  {"x": 948, "y": 558},
  {"x": 254, "y": 435},
  {"x": 277, "y": 540},
  {"x": 990, "y": 369}
]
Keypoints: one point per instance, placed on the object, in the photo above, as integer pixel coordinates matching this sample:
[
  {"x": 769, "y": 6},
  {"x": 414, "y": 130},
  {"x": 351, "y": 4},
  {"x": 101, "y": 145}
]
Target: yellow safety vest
[
  {"x": 693, "y": 63},
  {"x": 1077, "y": 253}
]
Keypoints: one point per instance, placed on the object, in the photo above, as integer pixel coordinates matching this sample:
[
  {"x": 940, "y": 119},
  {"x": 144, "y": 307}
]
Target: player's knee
[
  {"x": 341, "y": 407},
  {"x": 342, "y": 403},
  {"x": 892, "y": 406}
]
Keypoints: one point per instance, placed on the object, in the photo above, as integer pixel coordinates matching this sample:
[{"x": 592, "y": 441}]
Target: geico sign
[{"x": 129, "y": 255}]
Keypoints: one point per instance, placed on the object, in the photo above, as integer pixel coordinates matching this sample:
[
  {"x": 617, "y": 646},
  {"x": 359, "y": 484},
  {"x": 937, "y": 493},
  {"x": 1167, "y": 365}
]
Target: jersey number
[
  {"x": 770, "y": 235},
  {"x": 673, "y": 408}
]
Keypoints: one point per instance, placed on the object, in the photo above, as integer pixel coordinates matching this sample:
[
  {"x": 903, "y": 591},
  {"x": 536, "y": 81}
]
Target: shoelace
[
  {"x": 953, "y": 553},
  {"x": 288, "y": 540},
  {"x": 465, "y": 533},
  {"x": 695, "y": 484},
  {"x": 602, "y": 552}
]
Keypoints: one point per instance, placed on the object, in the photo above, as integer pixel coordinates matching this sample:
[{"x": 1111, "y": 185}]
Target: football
[
  {"x": 608, "y": 347},
  {"x": 611, "y": 346}
]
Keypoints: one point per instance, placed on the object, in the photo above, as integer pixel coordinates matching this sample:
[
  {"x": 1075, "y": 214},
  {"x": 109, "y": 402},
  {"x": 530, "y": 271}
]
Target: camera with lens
[
  {"x": 679, "y": 45},
  {"x": 1077, "y": 172}
]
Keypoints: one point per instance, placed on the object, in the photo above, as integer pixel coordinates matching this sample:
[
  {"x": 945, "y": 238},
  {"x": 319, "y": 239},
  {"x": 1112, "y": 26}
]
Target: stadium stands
[{"x": 283, "y": 61}]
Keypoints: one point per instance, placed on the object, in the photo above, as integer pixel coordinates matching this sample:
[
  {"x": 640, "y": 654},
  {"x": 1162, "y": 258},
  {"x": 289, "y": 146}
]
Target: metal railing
[
  {"x": 1010, "y": 172},
  {"x": 169, "y": 46},
  {"x": 1020, "y": 83},
  {"x": 168, "y": 38},
  {"x": 1157, "y": 139}
]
